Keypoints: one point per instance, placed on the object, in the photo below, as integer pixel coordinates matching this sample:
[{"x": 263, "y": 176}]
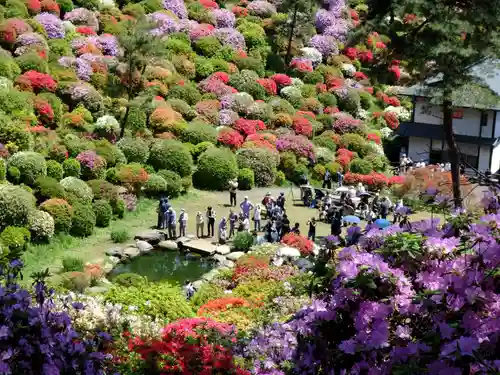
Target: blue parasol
[
  {"x": 382, "y": 223},
  {"x": 351, "y": 219}
]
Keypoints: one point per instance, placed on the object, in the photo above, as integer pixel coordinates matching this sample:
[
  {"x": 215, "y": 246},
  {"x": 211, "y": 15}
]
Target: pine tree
[{"x": 441, "y": 39}]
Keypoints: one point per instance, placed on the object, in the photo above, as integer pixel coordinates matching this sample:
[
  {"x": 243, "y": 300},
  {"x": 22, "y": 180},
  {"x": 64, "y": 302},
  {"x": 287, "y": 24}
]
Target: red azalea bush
[
  {"x": 34, "y": 6},
  {"x": 85, "y": 30},
  {"x": 334, "y": 83},
  {"x": 221, "y": 76},
  {"x": 297, "y": 241},
  {"x": 36, "y": 82},
  {"x": 360, "y": 76},
  {"x": 132, "y": 176},
  {"x": 282, "y": 80},
  {"x": 44, "y": 111},
  {"x": 374, "y": 180},
  {"x": 209, "y": 4},
  {"x": 302, "y": 126},
  {"x": 188, "y": 346},
  {"x": 239, "y": 11},
  {"x": 12, "y": 28},
  {"x": 344, "y": 156},
  {"x": 374, "y": 137},
  {"x": 222, "y": 304},
  {"x": 249, "y": 265},
  {"x": 351, "y": 52},
  {"x": 391, "y": 118},
  {"x": 306, "y": 114},
  {"x": 302, "y": 66},
  {"x": 230, "y": 137},
  {"x": 51, "y": 6},
  {"x": 269, "y": 85},
  {"x": 248, "y": 127},
  {"x": 331, "y": 110},
  {"x": 365, "y": 56}
]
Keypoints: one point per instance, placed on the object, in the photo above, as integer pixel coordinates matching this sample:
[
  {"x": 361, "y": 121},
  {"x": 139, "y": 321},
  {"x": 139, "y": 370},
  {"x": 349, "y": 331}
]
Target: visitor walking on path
[
  {"x": 222, "y": 231},
  {"x": 246, "y": 206},
  {"x": 233, "y": 185},
  {"x": 211, "y": 221},
  {"x": 183, "y": 218},
  {"x": 172, "y": 223},
  {"x": 340, "y": 178},
  {"x": 285, "y": 225},
  {"x": 256, "y": 218},
  {"x": 327, "y": 180},
  {"x": 200, "y": 224},
  {"x": 280, "y": 202}
]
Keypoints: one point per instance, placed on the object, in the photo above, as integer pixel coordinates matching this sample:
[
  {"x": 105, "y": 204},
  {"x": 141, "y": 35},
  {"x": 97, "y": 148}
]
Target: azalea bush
[{"x": 299, "y": 242}]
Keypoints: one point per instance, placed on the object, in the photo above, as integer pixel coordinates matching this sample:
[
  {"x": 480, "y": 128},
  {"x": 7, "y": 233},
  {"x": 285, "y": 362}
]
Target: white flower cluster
[
  {"x": 348, "y": 69},
  {"x": 5, "y": 84},
  {"x": 107, "y": 124},
  {"x": 324, "y": 155},
  {"x": 100, "y": 315},
  {"x": 363, "y": 114},
  {"x": 312, "y": 54},
  {"x": 290, "y": 91},
  {"x": 386, "y": 132},
  {"x": 377, "y": 149},
  {"x": 297, "y": 82},
  {"x": 68, "y": 26},
  {"x": 402, "y": 112},
  {"x": 41, "y": 224}
]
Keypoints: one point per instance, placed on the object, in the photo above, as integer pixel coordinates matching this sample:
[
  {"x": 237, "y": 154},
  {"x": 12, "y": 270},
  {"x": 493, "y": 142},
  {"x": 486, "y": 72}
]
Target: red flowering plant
[
  {"x": 133, "y": 176},
  {"x": 301, "y": 65},
  {"x": 36, "y": 82},
  {"x": 334, "y": 83},
  {"x": 248, "y": 266},
  {"x": 331, "y": 110},
  {"x": 44, "y": 111},
  {"x": 391, "y": 119},
  {"x": 222, "y": 304},
  {"x": 302, "y": 126},
  {"x": 344, "y": 156},
  {"x": 269, "y": 85},
  {"x": 34, "y": 6},
  {"x": 209, "y": 4},
  {"x": 261, "y": 140},
  {"x": 282, "y": 80},
  {"x": 230, "y": 137},
  {"x": 248, "y": 127},
  {"x": 239, "y": 11},
  {"x": 374, "y": 138},
  {"x": 85, "y": 30},
  {"x": 50, "y": 6},
  {"x": 299, "y": 242},
  {"x": 12, "y": 28},
  {"x": 188, "y": 346},
  {"x": 360, "y": 76},
  {"x": 365, "y": 56}
]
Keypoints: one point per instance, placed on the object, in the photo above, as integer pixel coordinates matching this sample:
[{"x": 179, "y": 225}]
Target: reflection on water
[{"x": 166, "y": 266}]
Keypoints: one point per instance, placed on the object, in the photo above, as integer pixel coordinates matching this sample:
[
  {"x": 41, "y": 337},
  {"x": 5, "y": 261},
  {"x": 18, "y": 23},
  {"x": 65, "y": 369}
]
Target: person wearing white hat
[{"x": 183, "y": 218}]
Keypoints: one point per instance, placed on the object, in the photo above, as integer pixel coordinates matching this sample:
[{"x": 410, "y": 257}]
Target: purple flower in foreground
[{"x": 52, "y": 24}]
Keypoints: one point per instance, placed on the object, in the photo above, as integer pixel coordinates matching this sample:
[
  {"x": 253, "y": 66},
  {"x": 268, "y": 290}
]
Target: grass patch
[{"x": 39, "y": 257}]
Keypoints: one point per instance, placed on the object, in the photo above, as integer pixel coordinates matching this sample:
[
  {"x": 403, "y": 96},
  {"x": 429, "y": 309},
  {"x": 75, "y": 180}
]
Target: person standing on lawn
[
  {"x": 200, "y": 224},
  {"x": 327, "y": 180},
  {"x": 256, "y": 218},
  {"x": 233, "y": 219},
  {"x": 233, "y": 185},
  {"x": 183, "y": 218},
  {"x": 246, "y": 206},
  {"x": 312, "y": 229},
  {"x": 211, "y": 221},
  {"x": 172, "y": 223}
]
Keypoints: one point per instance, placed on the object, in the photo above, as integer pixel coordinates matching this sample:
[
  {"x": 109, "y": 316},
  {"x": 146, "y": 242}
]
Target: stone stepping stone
[
  {"x": 168, "y": 245},
  {"x": 235, "y": 256},
  {"x": 152, "y": 236}
]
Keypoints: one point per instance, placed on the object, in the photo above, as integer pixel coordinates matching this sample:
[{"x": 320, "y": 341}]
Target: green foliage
[
  {"x": 299, "y": 171},
  {"x": 361, "y": 166},
  {"x": 328, "y": 99},
  {"x": 30, "y": 164},
  {"x": 61, "y": 212},
  {"x": 83, "y": 221},
  {"x": 366, "y": 100},
  {"x": 41, "y": 225},
  {"x": 13, "y": 175},
  {"x": 136, "y": 150},
  {"x": 111, "y": 153},
  {"x": 155, "y": 186},
  {"x": 157, "y": 300},
  {"x": 75, "y": 281},
  {"x": 246, "y": 179},
  {"x": 16, "y": 204},
  {"x": 356, "y": 143},
  {"x": 171, "y": 155},
  {"x": 262, "y": 161},
  {"x": 72, "y": 264},
  {"x": 243, "y": 241},
  {"x": 137, "y": 119},
  {"x": 204, "y": 67},
  {"x": 313, "y": 78},
  {"x": 129, "y": 279},
  {"x": 326, "y": 120},
  {"x": 48, "y": 187},
  {"x": 59, "y": 48},
  {"x": 103, "y": 213},
  {"x": 65, "y": 5},
  {"x": 32, "y": 61},
  {"x": 173, "y": 181},
  {"x": 55, "y": 170},
  {"x": 198, "y": 149},
  {"x": 216, "y": 167},
  {"x": 350, "y": 103},
  {"x": 197, "y": 132},
  {"x": 379, "y": 162},
  {"x": 280, "y": 179},
  {"x": 120, "y": 235},
  {"x": 72, "y": 168},
  {"x": 325, "y": 141},
  {"x": 78, "y": 188},
  {"x": 188, "y": 92},
  {"x": 206, "y": 293},
  {"x": 8, "y": 66},
  {"x": 17, "y": 105},
  {"x": 288, "y": 163},
  {"x": 3, "y": 170},
  {"x": 183, "y": 108},
  {"x": 15, "y": 238},
  {"x": 207, "y": 46}
]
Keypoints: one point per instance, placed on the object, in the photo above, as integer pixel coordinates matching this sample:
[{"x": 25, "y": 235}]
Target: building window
[
  {"x": 469, "y": 154},
  {"x": 484, "y": 118}
]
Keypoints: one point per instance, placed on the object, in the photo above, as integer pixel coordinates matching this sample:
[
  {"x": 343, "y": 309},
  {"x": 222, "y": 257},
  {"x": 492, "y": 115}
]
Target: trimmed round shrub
[
  {"x": 3, "y": 169},
  {"x": 136, "y": 150},
  {"x": 137, "y": 119},
  {"x": 15, "y": 238},
  {"x": 112, "y": 176},
  {"x": 55, "y": 170},
  {"x": 243, "y": 241},
  {"x": 102, "y": 189},
  {"x": 357, "y": 143},
  {"x": 360, "y": 166},
  {"x": 47, "y": 188},
  {"x": 207, "y": 46},
  {"x": 326, "y": 120},
  {"x": 41, "y": 225},
  {"x": 216, "y": 167},
  {"x": 133, "y": 176},
  {"x": 171, "y": 155},
  {"x": 198, "y": 132},
  {"x": 111, "y": 153},
  {"x": 30, "y": 164},
  {"x": 313, "y": 78},
  {"x": 366, "y": 100},
  {"x": 349, "y": 103},
  {"x": 280, "y": 178},
  {"x": 14, "y": 131},
  {"x": 187, "y": 183},
  {"x": 103, "y": 213},
  {"x": 16, "y": 205},
  {"x": 13, "y": 175},
  {"x": 93, "y": 165},
  {"x": 262, "y": 161},
  {"x": 155, "y": 186},
  {"x": 61, "y": 212},
  {"x": 78, "y": 188},
  {"x": 189, "y": 93},
  {"x": 299, "y": 171},
  {"x": 75, "y": 281},
  {"x": 120, "y": 236},
  {"x": 325, "y": 141},
  {"x": 83, "y": 221},
  {"x": 173, "y": 181},
  {"x": 246, "y": 179},
  {"x": 199, "y": 148},
  {"x": 72, "y": 168},
  {"x": 129, "y": 279},
  {"x": 328, "y": 99},
  {"x": 379, "y": 162}
]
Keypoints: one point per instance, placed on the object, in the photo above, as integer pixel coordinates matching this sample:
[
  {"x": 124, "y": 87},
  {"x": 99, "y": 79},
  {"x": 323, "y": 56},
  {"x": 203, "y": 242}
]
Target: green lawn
[{"x": 91, "y": 249}]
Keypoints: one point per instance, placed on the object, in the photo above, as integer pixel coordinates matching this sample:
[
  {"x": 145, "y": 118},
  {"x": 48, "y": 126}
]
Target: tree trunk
[
  {"x": 452, "y": 148},
  {"x": 124, "y": 122},
  {"x": 290, "y": 36}
]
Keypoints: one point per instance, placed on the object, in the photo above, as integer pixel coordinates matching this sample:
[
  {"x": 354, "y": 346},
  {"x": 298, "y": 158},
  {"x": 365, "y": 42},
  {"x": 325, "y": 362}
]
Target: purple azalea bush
[
  {"x": 415, "y": 299},
  {"x": 52, "y": 24},
  {"x": 35, "y": 339}
]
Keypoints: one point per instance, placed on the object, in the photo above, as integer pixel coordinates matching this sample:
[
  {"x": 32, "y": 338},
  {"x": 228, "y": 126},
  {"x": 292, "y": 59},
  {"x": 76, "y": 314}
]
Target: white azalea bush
[{"x": 41, "y": 225}]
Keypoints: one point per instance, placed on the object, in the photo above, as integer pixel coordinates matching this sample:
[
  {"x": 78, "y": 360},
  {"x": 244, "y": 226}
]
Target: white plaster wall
[
  {"x": 484, "y": 158},
  {"x": 497, "y": 126},
  {"x": 495, "y": 160},
  {"x": 468, "y": 125},
  {"x": 418, "y": 148}
]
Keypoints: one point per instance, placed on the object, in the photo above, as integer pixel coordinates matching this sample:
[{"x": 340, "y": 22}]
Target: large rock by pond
[
  {"x": 235, "y": 255},
  {"x": 115, "y": 252},
  {"x": 154, "y": 237},
  {"x": 143, "y": 246},
  {"x": 222, "y": 249},
  {"x": 168, "y": 245},
  {"x": 131, "y": 252}
]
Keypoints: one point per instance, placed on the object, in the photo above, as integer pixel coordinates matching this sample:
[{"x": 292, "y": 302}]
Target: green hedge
[{"x": 216, "y": 167}]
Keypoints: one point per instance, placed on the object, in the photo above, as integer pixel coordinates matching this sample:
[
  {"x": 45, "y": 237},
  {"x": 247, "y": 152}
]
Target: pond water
[{"x": 166, "y": 266}]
